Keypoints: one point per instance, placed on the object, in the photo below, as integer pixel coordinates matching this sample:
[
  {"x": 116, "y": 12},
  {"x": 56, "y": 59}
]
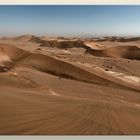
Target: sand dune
[
  {"x": 12, "y": 52},
  {"x": 128, "y": 52},
  {"x": 40, "y": 94},
  {"x": 58, "y": 44},
  {"x": 47, "y": 64},
  {"x": 93, "y": 45},
  {"x": 80, "y": 108},
  {"x": 19, "y": 38}
]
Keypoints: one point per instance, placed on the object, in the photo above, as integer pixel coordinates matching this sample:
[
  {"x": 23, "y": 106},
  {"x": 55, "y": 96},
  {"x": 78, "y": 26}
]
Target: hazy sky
[{"x": 70, "y": 20}]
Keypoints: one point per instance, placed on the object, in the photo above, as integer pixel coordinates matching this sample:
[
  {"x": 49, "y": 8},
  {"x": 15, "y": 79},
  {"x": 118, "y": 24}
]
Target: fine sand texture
[{"x": 84, "y": 88}]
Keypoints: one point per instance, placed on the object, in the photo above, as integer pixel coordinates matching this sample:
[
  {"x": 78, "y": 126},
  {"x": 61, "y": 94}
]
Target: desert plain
[{"x": 69, "y": 86}]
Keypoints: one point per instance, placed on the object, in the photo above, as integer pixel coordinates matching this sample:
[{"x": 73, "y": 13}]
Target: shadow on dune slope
[{"x": 128, "y": 52}]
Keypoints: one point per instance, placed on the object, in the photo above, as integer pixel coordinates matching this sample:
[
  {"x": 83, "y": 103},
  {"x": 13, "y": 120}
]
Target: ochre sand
[{"x": 67, "y": 91}]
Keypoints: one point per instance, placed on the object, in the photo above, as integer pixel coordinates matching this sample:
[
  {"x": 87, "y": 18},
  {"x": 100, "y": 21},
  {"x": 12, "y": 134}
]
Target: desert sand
[{"x": 69, "y": 86}]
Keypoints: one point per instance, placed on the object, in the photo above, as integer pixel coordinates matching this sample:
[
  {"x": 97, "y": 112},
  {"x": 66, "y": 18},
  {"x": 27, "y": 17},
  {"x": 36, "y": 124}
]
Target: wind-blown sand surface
[{"x": 46, "y": 90}]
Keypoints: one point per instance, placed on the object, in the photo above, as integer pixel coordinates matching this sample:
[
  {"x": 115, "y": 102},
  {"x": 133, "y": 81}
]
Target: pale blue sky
[{"x": 69, "y": 20}]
